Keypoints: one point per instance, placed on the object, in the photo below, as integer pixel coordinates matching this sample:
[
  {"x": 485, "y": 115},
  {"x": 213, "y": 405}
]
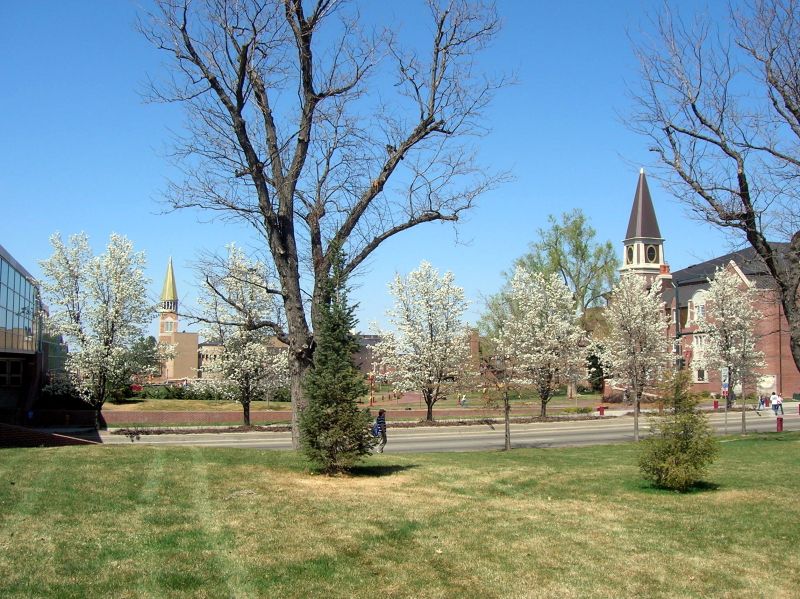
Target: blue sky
[{"x": 81, "y": 150}]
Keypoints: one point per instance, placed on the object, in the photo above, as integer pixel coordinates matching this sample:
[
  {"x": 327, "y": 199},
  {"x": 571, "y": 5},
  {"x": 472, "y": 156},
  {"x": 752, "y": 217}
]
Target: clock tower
[{"x": 643, "y": 252}]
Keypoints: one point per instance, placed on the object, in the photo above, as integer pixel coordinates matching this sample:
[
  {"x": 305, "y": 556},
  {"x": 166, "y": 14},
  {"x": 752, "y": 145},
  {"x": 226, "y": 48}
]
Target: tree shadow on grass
[
  {"x": 378, "y": 470},
  {"x": 126, "y": 401},
  {"x": 698, "y": 487}
]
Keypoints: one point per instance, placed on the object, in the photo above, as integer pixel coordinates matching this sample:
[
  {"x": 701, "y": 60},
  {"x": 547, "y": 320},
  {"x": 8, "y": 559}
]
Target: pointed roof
[
  {"x": 643, "y": 221},
  {"x": 170, "y": 292}
]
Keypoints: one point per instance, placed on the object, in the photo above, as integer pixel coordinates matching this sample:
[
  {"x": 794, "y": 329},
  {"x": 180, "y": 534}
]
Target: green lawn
[
  {"x": 190, "y": 405},
  {"x": 137, "y": 521}
]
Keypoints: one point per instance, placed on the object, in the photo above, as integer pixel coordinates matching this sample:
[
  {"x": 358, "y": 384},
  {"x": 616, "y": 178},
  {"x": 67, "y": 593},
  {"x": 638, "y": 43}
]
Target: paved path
[{"x": 476, "y": 437}]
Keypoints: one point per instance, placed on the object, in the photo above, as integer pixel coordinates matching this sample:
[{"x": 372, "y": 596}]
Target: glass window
[{"x": 15, "y": 373}]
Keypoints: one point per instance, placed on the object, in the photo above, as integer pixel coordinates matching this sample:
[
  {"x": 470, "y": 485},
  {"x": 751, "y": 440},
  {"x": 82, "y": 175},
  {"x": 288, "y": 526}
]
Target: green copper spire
[{"x": 169, "y": 294}]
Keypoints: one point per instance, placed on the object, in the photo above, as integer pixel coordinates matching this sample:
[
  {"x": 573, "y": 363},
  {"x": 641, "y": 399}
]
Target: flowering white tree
[
  {"x": 429, "y": 349},
  {"x": 637, "y": 348},
  {"x": 99, "y": 305},
  {"x": 239, "y": 311},
  {"x": 729, "y": 330},
  {"x": 249, "y": 368},
  {"x": 542, "y": 335}
]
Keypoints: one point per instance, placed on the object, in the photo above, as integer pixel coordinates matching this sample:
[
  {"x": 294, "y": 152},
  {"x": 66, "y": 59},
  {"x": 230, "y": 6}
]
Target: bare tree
[
  {"x": 722, "y": 110},
  {"x": 321, "y": 135}
]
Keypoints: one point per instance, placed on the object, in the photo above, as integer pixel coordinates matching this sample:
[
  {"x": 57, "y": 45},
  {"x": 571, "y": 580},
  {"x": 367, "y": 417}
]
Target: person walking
[
  {"x": 779, "y": 400},
  {"x": 381, "y": 422},
  {"x": 773, "y": 402}
]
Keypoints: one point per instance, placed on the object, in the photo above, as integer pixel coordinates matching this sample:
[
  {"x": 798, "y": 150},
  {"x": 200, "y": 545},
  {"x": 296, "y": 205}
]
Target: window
[
  {"x": 629, "y": 255},
  {"x": 697, "y": 307},
  {"x": 169, "y": 326},
  {"x": 10, "y": 373},
  {"x": 652, "y": 254},
  {"x": 698, "y": 355}
]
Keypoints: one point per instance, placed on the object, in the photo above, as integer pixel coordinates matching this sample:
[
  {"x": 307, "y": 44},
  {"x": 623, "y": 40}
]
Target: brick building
[{"x": 684, "y": 292}]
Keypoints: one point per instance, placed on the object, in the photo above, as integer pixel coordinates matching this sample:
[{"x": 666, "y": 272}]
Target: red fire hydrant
[
  {"x": 601, "y": 409},
  {"x": 716, "y": 404},
  {"x": 780, "y": 424}
]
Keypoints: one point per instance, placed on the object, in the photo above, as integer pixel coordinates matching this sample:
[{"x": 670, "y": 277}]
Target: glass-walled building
[{"x": 20, "y": 338}]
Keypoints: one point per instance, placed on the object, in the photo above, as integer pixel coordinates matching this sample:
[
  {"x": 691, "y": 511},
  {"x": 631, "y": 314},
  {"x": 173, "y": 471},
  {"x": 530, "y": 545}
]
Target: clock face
[
  {"x": 652, "y": 254},
  {"x": 629, "y": 255}
]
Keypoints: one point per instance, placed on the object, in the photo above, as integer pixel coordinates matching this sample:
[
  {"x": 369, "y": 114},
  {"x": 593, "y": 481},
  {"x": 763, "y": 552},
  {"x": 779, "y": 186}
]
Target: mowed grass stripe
[{"x": 136, "y": 521}]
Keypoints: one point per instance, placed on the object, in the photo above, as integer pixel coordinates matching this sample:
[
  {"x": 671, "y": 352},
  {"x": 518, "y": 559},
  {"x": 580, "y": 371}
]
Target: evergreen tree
[
  {"x": 334, "y": 432},
  {"x": 682, "y": 444}
]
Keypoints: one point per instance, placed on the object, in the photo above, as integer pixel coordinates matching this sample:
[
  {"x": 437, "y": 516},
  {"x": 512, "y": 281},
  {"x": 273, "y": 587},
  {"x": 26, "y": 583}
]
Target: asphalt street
[{"x": 477, "y": 437}]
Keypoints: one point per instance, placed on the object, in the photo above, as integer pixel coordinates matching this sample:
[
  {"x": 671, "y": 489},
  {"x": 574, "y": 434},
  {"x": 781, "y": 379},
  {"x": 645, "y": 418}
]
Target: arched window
[
  {"x": 698, "y": 362},
  {"x": 697, "y": 306}
]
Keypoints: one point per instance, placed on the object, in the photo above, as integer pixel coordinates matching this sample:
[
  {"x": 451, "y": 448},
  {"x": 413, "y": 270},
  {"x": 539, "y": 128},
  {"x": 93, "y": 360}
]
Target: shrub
[
  {"x": 682, "y": 444},
  {"x": 281, "y": 394},
  {"x": 577, "y": 410}
]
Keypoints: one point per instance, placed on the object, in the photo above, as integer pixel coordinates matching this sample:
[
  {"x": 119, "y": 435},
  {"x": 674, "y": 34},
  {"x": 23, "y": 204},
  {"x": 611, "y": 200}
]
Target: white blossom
[
  {"x": 637, "y": 348},
  {"x": 540, "y": 339},
  {"x": 728, "y": 328},
  {"x": 99, "y": 305},
  {"x": 429, "y": 348},
  {"x": 237, "y": 307}
]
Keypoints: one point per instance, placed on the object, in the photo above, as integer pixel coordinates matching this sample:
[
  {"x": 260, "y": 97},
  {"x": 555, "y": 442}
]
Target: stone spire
[{"x": 169, "y": 294}]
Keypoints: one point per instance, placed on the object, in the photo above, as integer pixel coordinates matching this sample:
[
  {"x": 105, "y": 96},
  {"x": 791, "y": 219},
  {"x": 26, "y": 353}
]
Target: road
[{"x": 477, "y": 437}]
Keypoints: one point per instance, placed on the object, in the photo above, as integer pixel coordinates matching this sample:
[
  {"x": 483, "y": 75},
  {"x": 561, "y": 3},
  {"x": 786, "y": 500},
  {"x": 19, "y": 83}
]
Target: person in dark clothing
[{"x": 381, "y": 422}]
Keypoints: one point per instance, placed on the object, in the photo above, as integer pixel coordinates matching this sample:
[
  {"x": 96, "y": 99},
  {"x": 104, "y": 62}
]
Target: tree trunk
[
  {"x": 744, "y": 405},
  {"x": 283, "y": 248},
  {"x": 430, "y": 399},
  {"x": 543, "y": 409},
  {"x": 299, "y": 365},
  {"x": 636, "y": 416},
  {"x": 793, "y": 319},
  {"x": 246, "y": 412},
  {"x": 506, "y": 410}
]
